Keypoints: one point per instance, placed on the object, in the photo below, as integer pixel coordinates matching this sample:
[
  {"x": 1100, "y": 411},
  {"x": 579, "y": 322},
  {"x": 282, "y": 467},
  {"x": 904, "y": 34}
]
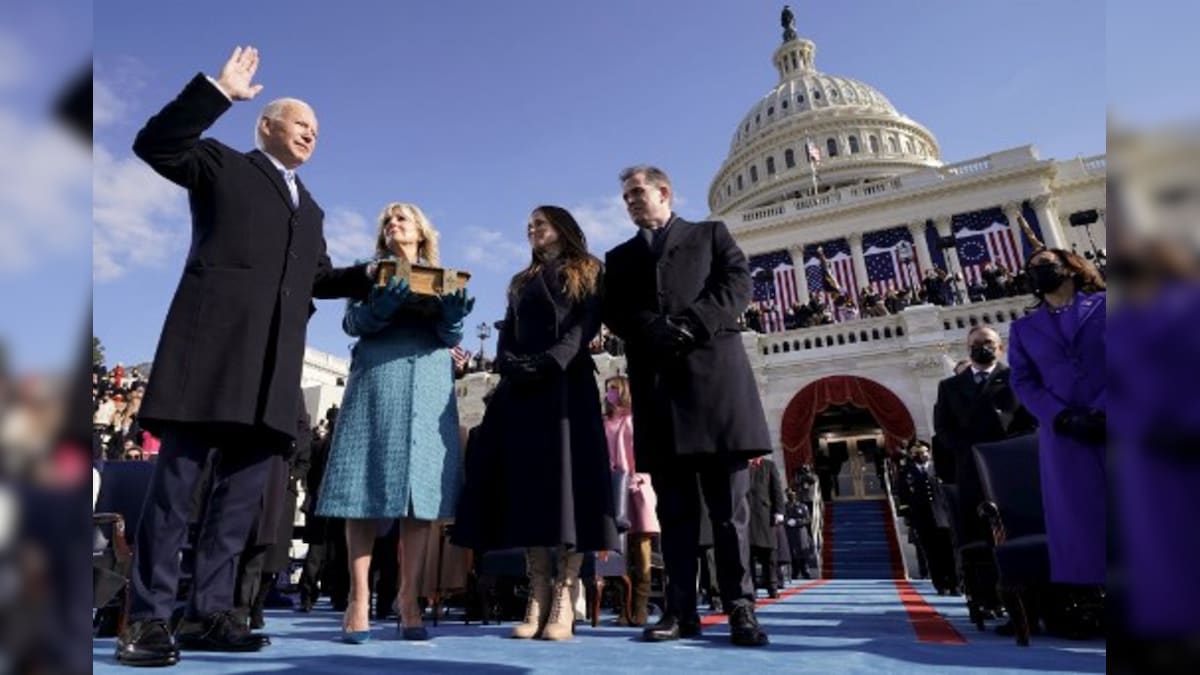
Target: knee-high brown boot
[
  {"x": 639, "y": 549},
  {"x": 537, "y": 609},
  {"x": 561, "y": 623}
]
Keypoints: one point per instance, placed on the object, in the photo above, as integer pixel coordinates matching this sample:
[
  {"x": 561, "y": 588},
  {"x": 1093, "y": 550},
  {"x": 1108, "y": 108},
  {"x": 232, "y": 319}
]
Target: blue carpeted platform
[
  {"x": 842, "y": 626},
  {"x": 860, "y": 543}
]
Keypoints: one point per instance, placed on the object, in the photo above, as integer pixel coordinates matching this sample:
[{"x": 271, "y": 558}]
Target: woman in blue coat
[
  {"x": 395, "y": 450},
  {"x": 1059, "y": 368}
]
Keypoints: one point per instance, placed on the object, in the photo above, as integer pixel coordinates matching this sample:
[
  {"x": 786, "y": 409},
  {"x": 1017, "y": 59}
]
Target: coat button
[{"x": 287, "y": 292}]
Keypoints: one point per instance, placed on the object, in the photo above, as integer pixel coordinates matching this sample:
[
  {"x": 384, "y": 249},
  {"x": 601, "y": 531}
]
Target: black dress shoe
[
  {"x": 221, "y": 632},
  {"x": 744, "y": 630},
  {"x": 670, "y": 628},
  {"x": 773, "y": 593},
  {"x": 147, "y": 643},
  {"x": 716, "y": 605},
  {"x": 306, "y": 604}
]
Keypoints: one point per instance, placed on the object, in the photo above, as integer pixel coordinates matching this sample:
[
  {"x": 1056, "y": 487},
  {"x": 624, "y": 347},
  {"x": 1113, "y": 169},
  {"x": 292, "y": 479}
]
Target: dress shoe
[
  {"x": 716, "y": 605},
  {"x": 670, "y": 628},
  {"x": 256, "y": 619},
  {"x": 221, "y": 632},
  {"x": 147, "y": 643},
  {"x": 744, "y": 630},
  {"x": 773, "y": 593},
  {"x": 306, "y": 604}
]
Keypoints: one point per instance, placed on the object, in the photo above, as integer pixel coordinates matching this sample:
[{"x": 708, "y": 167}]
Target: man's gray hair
[
  {"x": 652, "y": 173},
  {"x": 274, "y": 110}
]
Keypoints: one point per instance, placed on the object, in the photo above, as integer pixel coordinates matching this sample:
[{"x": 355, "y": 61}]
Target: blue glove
[
  {"x": 384, "y": 301},
  {"x": 456, "y": 306}
]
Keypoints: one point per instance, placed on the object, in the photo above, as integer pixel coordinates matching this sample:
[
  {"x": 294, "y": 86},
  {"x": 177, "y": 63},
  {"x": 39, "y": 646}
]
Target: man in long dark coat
[
  {"x": 766, "y": 511},
  {"x": 227, "y": 369},
  {"x": 674, "y": 293},
  {"x": 926, "y": 512},
  {"x": 977, "y": 406}
]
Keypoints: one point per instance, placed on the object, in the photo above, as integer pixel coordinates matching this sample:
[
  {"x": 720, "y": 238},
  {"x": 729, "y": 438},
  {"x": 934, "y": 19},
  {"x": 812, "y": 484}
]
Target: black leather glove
[
  {"x": 670, "y": 334},
  {"x": 1081, "y": 424}
]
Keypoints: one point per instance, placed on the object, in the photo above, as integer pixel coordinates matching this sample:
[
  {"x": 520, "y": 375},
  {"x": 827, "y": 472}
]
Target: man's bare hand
[{"x": 238, "y": 74}]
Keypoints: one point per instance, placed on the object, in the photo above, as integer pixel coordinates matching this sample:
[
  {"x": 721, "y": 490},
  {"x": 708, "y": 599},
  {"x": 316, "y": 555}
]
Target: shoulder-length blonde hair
[
  {"x": 427, "y": 249},
  {"x": 580, "y": 270},
  {"x": 624, "y": 400}
]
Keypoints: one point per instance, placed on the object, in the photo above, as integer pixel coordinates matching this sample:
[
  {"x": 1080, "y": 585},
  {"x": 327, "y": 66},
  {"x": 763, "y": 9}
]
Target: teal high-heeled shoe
[{"x": 356, "y": 637}]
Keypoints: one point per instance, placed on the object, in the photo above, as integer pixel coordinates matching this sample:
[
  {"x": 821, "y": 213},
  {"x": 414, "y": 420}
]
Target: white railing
[
  {"x": 892, "y": 331},
  {"x": 996, "y": 313},
  {"x": 967, "y": 168},
  {"x": 764, "y": 212},
  {"x": 859, "y": 335},
  {"x": 1096, "y": 164}
]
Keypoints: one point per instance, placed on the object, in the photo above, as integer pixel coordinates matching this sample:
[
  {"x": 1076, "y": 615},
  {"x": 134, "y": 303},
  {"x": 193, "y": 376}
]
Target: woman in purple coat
[{"x": 1057, "y": 355}]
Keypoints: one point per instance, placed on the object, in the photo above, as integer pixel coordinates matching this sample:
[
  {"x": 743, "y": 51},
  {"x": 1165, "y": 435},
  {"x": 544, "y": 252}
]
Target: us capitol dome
[{"x": 860, "y": 136}]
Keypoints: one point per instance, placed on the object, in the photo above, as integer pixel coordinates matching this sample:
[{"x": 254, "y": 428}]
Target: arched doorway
[{"x": 844, "y": 419}]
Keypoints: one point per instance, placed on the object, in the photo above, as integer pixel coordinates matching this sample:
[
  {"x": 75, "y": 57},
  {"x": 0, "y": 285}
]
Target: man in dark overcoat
[
  {"x": 926, "y": 512},
  {"x": 227, "y": 368},
  {"x": 977, "y": 406},
  {"x": 766, "y": 511},
  {"x": 674, "y": 293}
]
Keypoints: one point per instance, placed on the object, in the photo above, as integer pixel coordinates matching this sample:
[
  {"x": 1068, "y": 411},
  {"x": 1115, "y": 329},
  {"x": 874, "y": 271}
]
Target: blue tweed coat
[{"x": 395, "y": 449}]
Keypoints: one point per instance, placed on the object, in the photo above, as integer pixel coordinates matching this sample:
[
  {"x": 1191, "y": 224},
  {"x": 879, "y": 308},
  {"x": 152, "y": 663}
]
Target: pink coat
[{"x": 643, "y": 503}]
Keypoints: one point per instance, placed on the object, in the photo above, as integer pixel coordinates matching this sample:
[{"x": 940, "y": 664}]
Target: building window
[
  {"x": 770, "y": 165},
  {"x": 831, "y": 146},
  {"x": 770, "y": 111},
  {"x": 754, "y": 174},
  {"x": 784, "y": 104},
  {"x": 794, "y": 66},
  {"x": 799, "y": 98},
  {"x": 854, "y": 145},
  {"x": 789, "y": 158},
  {"x": 908, "y": 146},
  {"x": 892, "y": 144},
  {"x": 728, "y": 190},
  {"x": 817, "y": 95},
  {"x": 739, "y": 181},
  {"x": 874, "y": 145},
  {"x": 757, "y": 119}
]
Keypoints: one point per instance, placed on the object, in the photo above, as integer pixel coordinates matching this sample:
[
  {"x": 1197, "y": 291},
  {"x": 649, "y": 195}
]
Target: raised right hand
[{"x": 236, "y": 78}]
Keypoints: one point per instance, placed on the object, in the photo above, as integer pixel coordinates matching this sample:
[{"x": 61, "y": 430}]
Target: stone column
[
  {"x": 860, "y": 262},
  {"x": 801, "y": 277},
  {"x": 1011, "y": 211},
  {"x": 921, "y": 245},
  {"x": 1046, "y": 209},
  {"x": 958, "y": 290}
]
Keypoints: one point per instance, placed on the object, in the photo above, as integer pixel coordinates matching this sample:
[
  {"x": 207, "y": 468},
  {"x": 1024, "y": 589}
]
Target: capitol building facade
[{"x": 825, "y": 165}]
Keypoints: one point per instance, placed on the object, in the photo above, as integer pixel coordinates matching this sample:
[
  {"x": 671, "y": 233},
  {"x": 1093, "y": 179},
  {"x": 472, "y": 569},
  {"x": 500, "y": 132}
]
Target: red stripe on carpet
[
  {"x": 827, "y": 541},
  {"x": 715, "y": 619},
  {"x": 893, "y": 539},
  {"x": 927, "y": 623}
]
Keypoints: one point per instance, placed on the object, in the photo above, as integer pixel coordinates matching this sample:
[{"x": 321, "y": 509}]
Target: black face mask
[
  {"x": 984, "y": 355},
  {"x": 1046, "y": 278}
]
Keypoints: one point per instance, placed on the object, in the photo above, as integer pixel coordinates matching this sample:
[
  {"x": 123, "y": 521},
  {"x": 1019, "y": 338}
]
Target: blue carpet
[
  {"x": 860, "y": 541},
  {"x": 843, "y": 626}
]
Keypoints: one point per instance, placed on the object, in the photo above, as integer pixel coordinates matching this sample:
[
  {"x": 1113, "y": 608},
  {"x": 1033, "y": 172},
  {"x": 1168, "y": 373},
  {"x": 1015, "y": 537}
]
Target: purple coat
[{"x": 1058, "y": 361}]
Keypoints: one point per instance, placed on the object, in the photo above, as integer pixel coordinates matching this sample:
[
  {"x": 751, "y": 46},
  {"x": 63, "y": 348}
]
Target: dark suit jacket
[
  {"x": 232, "y": 346},
  {"x": 704, "y": 402},
  {"x": 922, "y": 494},
  {"x": 965, "y": 415}
]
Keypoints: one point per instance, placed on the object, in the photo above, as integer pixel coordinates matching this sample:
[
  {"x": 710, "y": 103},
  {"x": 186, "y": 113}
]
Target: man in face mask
[
  {"x": 925, "y": 511},
  {"x": 975, "y": 406}
]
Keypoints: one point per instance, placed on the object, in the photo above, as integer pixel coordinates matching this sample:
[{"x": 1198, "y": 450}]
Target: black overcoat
[
  {"x": 537, "y": 473},
  {"x": 766, "y": 499},
  {"x": 966, "y": 414},
  {"x": 232, "y": 347},
  {"x": 704, "y": 402}
]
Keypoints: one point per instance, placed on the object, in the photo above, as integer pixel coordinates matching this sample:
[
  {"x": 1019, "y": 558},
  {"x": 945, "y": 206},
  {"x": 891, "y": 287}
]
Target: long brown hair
[
  {"x": 580, "y": 273},
  {"x": 1081, "y": 272}
]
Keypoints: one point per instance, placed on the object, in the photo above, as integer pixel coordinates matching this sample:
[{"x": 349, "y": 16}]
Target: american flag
[
  {"x": 841, "y": 265},
  {"x": 461, "y": 356},
  {"x": 885, "y": 270},
  {"x": 814, "y": 153},
  {"x": 775, "y": 287},
  {"x": 983, "y": 237}
]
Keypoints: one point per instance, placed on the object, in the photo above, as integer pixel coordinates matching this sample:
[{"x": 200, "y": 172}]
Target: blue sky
[{"x": 478, "y": 112}]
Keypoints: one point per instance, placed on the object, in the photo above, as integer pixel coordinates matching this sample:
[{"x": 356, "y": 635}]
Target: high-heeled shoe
[{"x": 356, "y": 637}]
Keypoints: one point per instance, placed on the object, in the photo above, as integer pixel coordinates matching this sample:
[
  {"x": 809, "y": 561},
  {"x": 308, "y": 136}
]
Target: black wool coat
[
  {"x": 232, "y": 346},
  {"x": 704, "y": 402}
]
